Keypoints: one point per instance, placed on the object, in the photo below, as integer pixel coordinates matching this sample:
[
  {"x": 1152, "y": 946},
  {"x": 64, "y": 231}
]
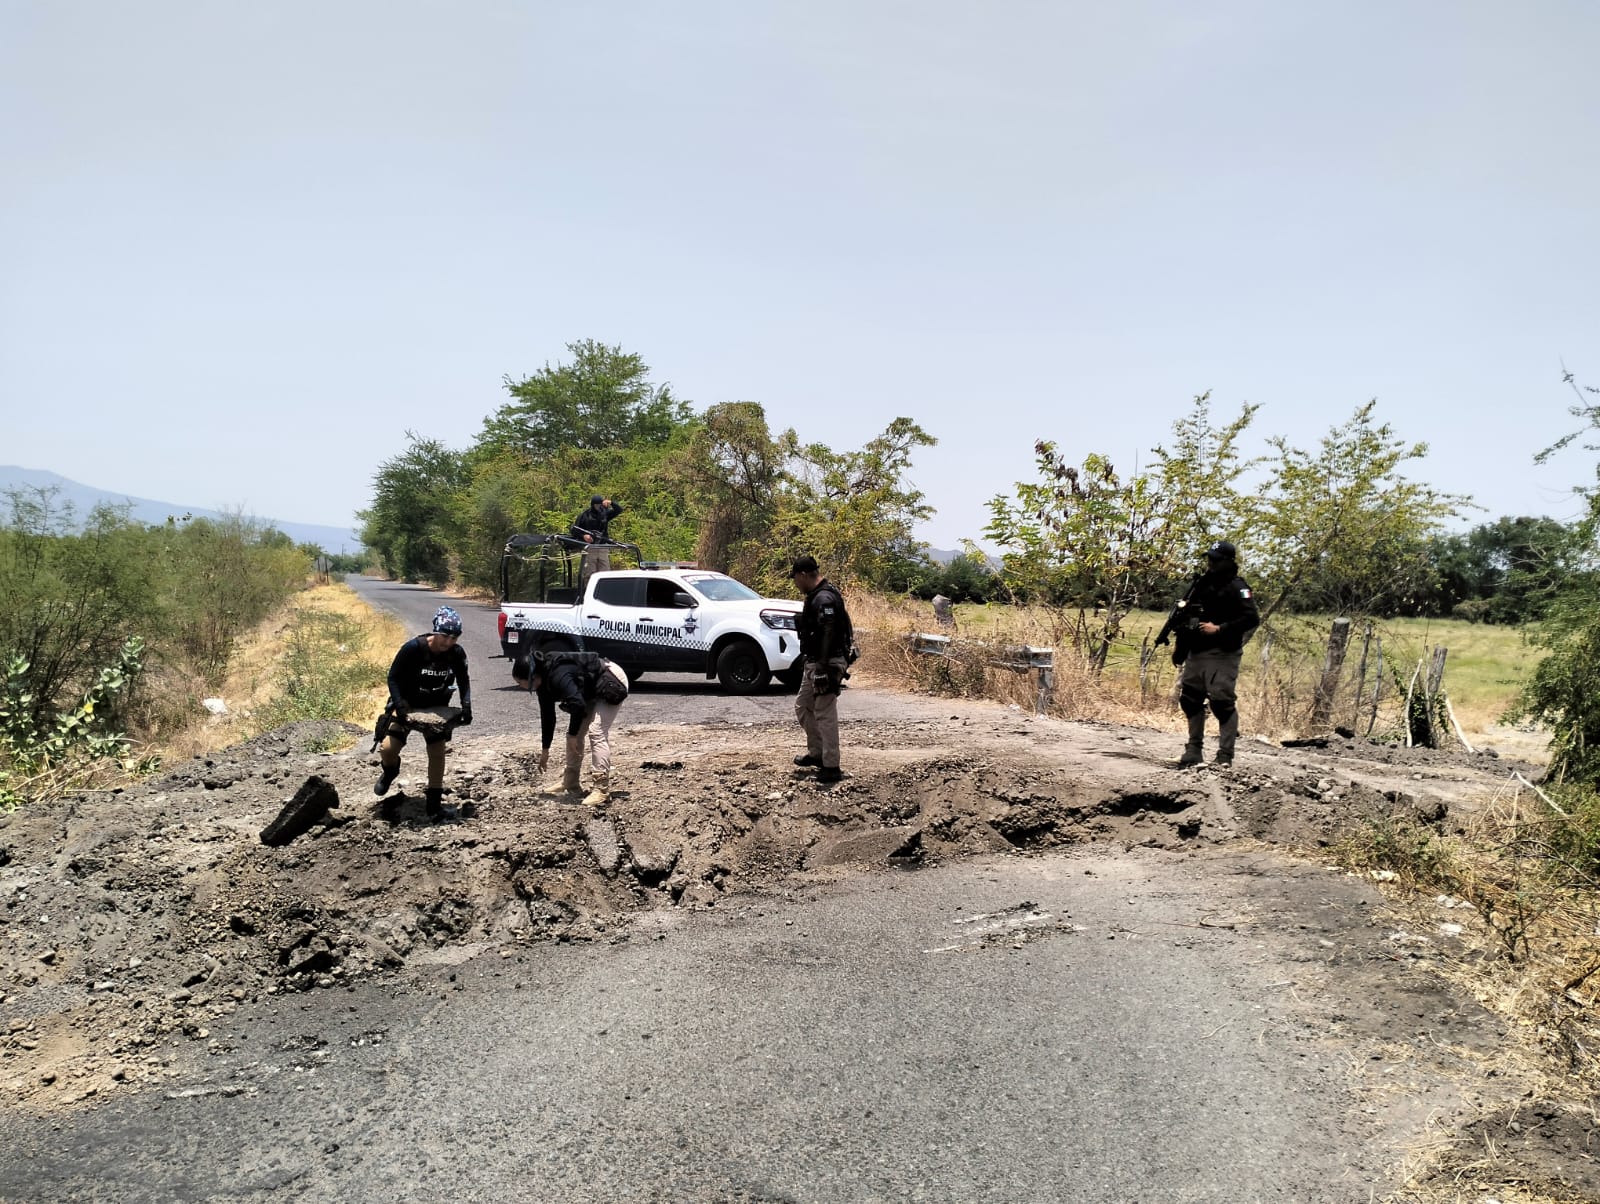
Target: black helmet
[
  {"x": 596, "y": 500},
  {"x": 1222, "y": 551}
]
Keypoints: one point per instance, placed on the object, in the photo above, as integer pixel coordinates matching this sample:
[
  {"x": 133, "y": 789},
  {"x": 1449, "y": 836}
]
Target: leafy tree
[
  {"x": 966, "y": 577},
  {"x": 1331, "y": 529},
  {"x": 224, "y": 576},
  {"x": 736, "y": 469},
  {"x": 409, "y": 522},
  {"x": 1564, "y": 689},
  {"x": 1508, "y": 571},
  {"x": 854, "y": 511},
  {"x": 603, "y": 398},
  {"x": 1090, "y": 539}
]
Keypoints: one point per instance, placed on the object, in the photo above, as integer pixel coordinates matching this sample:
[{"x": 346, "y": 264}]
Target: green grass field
[{"x": 1484, "y": 670}]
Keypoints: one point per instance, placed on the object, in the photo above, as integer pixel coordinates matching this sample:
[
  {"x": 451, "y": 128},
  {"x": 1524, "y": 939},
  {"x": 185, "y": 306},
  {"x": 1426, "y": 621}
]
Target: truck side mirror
[{"x": 683, "y": 601}]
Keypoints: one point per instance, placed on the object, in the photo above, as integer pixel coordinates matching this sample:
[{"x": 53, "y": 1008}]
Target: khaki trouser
[
  {"x": 819, "y": 713},
  {"x": 596, "y": 726},
  {"x": 389, "y": 755},
  {"x": 596, "y": 559}
]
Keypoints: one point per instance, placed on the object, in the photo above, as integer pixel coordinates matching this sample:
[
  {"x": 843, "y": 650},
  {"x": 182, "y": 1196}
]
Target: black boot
[
  {"x": 386, "y": 779},
  {"x": 829, "y": 773},
  {"x": 1194, "y": 750},
  {"x": 808, "y": 760},
  {"x": 433, "y": 802}
]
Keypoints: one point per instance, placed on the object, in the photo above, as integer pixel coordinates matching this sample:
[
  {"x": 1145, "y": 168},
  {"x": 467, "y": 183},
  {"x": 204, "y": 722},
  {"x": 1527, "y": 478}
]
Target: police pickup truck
[{"x": 654, "y": 618}]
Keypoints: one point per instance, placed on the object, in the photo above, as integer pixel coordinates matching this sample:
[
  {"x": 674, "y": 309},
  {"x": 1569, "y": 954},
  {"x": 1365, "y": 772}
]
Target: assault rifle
[{"x": 1181, "y": 624}]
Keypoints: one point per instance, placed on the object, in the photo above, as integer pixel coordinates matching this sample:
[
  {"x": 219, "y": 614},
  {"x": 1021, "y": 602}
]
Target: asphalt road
[
  {"x": 883, "y": 1039},
  {"x": 499, "y": 707},
  {"x": 895, "y": 1036}
]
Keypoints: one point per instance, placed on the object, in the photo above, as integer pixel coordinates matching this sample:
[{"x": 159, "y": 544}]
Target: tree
[
  {"x": 1090, "y": 539},
  {"x": 735, "y": 469},
  {"x": 408, "y": 523},
  {"x": 604, "y": 398},
  {"x": 1333, "y": 528},
  {"x": 966, "y": 577},
  {"x": 67, "y": 596},
  {"x": 1507, "y": 571},
  {"x": 1564, "y": 689},
  {"x": 854, "y": 511}
]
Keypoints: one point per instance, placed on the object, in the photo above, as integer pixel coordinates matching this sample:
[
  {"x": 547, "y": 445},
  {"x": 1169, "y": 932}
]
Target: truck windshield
[{"x": 714, "y": 587}]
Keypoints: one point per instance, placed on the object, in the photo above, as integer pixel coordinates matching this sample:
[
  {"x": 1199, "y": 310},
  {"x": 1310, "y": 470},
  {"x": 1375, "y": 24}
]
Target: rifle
[
  {"x": 1181, "y": 623},
  {"x": 386, "y": 720},
  {"x": 380, "y": 729}
]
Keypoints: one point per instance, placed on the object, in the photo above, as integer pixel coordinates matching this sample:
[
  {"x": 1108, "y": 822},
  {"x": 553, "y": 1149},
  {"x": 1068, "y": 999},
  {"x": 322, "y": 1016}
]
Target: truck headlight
[{"x": 782, "y": 620}]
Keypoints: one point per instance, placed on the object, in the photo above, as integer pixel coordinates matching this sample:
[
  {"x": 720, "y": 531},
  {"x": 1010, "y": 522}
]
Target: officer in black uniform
[
  {"x": 825, "y": 640},
  {"x": 593, "y": 526},
  {"x": 1213, "y": 621},
  {"x": 422, "y": 677}
]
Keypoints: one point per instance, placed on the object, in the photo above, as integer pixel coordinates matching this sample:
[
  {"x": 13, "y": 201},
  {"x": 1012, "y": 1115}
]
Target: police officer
[
  {"x": 590, "y": 689},
  {"x": 1215, "y": 619},
  {"x": 825, "y": 638},
  {"x": 424, "y": 673},
  {"x": 593, "y": 527}
]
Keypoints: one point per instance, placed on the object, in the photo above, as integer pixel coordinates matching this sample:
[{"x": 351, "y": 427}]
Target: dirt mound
[{"x": 138, "y": 917}]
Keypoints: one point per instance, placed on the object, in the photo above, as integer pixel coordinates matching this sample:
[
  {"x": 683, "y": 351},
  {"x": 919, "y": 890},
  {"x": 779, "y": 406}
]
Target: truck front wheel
[{"x": 742, "y": 668}]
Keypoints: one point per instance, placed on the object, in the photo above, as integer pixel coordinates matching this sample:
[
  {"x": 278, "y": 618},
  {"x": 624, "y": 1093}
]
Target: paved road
[
  {"x": 497, "y": 706},
  {"x": 886, "y": 1038},
  {"x": 866, "y": 1042}
]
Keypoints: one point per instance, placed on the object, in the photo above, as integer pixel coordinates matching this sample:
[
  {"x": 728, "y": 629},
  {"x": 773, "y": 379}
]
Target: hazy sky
[{"x": 245, "y": 247}]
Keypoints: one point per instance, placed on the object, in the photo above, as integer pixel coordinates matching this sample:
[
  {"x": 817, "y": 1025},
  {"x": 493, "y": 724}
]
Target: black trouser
[{"x": 1211, "y": 677}]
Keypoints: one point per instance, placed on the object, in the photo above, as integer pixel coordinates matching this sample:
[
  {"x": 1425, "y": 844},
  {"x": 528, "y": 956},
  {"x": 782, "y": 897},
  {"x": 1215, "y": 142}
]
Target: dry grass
[
  {"x": 254, "y": 673},
  {"x": 976, "y": 665},
  {"x": 1279, "y": 672},
  {"x": 1531, "y": 958}
]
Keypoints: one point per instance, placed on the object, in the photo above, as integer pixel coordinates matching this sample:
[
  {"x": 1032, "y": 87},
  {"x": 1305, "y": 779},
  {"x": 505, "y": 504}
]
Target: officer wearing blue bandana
[{"x": 422, "y": 677}]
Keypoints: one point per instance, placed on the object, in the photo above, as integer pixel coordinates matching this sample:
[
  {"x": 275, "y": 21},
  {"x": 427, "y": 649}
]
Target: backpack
[{"x": 609, "y": 687}]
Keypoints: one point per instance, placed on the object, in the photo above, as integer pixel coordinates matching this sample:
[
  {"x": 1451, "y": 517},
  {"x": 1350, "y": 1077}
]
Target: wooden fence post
[
  {"x": 1266, "y": 674},
  {"x": 1377, "y": 689},
  {"x": 1322, "y": 705},
  {"x": 1361, "y": 671},
  {"x": 1436, "y": 671}
]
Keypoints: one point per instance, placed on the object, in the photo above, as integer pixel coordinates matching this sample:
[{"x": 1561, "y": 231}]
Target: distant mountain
[
  {"x": 85, "y": 498},
  {"x": 946, "y": 555}
]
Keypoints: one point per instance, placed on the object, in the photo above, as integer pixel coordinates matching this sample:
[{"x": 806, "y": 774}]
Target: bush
[
  {"x": 323, "y": 673},
  {"x": 39, "y": 759}
]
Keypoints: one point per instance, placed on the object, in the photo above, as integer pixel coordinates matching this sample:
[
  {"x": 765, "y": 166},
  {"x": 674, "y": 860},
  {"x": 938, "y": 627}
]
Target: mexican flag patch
[{"x": 1245, "y": 593}]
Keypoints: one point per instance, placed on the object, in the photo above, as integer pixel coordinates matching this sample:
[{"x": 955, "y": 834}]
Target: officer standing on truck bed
[
  {"x": 1211, "y": 624},
  {"x": 593, "y": 526}
]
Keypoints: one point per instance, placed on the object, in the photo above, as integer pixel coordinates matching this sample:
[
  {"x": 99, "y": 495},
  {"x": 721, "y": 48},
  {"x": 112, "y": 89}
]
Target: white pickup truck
[{"x": 654, "y": 618}]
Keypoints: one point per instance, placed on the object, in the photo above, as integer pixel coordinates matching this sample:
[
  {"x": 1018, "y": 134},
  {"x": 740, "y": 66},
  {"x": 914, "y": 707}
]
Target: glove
[
  {"x": 1178, "y": 658},
  {"x": 400, "y": 716},
  {"x": 544, "y": 760},
  {"x": 824, "y": 682},
  {"x": 573, "y": 708},
  {"x": 1162, "y": 640},
  {"x": 465, "y": 718}
]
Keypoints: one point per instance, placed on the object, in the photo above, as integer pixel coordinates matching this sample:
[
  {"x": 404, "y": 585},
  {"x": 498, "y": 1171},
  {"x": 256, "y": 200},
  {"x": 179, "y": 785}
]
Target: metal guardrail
[{"x": 1020, "y": 659}]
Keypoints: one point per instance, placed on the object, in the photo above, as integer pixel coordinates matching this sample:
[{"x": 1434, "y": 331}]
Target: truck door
[
  {"x": 670, "y": 628},
  {"x": 609, "y": 614}
]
